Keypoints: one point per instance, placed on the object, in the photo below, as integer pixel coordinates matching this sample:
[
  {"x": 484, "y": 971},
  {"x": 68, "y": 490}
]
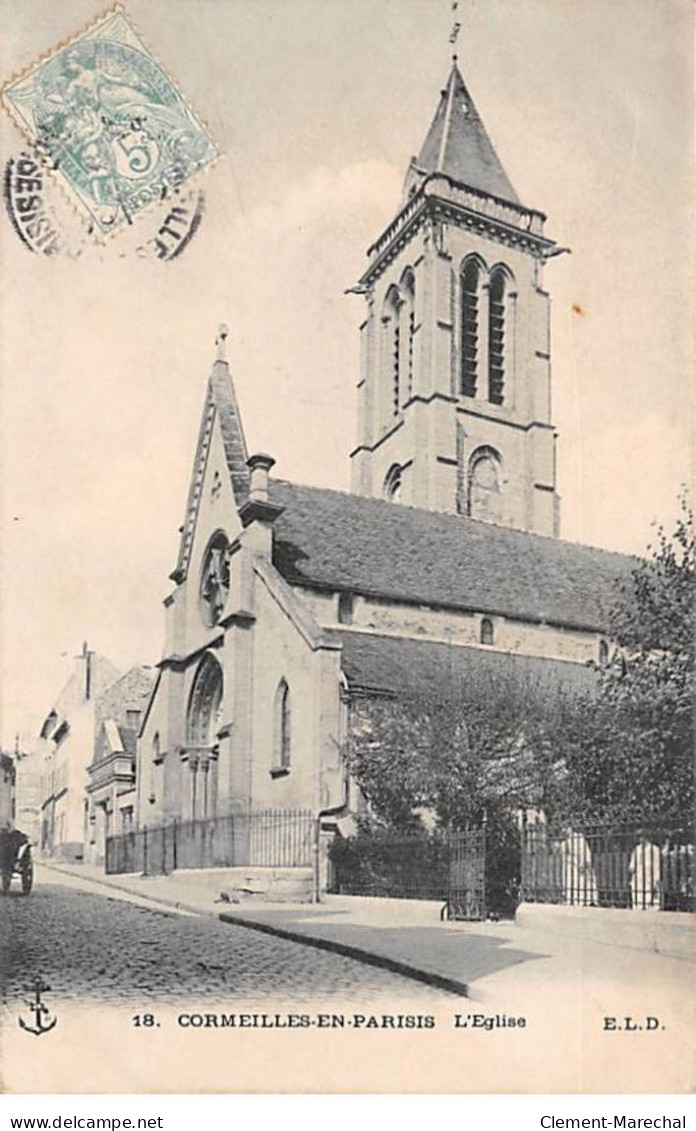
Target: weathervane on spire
[{"x": 456, "y": 27}]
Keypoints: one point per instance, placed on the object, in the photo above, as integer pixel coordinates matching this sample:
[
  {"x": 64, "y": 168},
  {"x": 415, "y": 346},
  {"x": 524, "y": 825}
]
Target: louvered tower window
[
  {"x": 411, "y": 331},
  {"x": 392, "y": 355},
  {"x": 396, "y": 346},
  {"x": 496, "y": 339},
  {"x": 408, "y": 311},
  {"x": 470, "y": 329}
]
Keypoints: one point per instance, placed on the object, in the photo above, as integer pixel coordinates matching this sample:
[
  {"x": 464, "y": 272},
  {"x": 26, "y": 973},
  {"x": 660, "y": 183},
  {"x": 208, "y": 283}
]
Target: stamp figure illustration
[{"x": 112, "y": 125}]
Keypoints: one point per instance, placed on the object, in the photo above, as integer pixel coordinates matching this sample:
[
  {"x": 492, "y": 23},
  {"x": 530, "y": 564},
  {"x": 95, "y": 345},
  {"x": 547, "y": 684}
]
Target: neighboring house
[
  {"x": 7, "y": 790},
  {"x": 66, "y": 742},
  {"x": 111, "y": 785},
  {"x": 28, "y": 793},
  {"x": 290, "y": 601}
]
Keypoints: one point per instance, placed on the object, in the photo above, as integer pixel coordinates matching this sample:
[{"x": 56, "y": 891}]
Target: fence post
[
  {"x": 523, "y": 856},
  {"x": 317, "y": 860},
  {"x": 145, "y": 850}
]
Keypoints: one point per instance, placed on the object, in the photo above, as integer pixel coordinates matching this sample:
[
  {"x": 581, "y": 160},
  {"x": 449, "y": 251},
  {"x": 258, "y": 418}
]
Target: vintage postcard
[{"x": 347, "y": 559}]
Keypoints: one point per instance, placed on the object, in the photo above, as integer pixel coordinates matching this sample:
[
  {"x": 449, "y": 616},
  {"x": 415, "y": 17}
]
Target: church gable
[
  {"x": 217, "y": 504},
  {"x": 220, "y": 477}
]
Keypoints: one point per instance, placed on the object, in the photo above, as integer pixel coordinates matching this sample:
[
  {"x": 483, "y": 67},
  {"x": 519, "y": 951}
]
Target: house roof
[
  {"x": 458, "y": 146},
  {"x": 334, "y": 540},
  {"x": 403, "y": 666}
]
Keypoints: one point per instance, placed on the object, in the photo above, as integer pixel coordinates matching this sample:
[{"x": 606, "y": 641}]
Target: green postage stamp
[{"x": 110, "y": 122}]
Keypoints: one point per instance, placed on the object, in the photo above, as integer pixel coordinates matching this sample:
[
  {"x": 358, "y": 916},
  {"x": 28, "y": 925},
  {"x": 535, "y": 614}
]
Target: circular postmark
[
  {"x": 115, "y": 130},
  {"x": 46, "y": 224}
]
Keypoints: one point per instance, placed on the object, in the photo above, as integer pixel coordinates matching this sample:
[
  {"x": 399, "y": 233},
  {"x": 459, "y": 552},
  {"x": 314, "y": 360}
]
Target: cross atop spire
[
  {"x": 221, "y": 342},
  {"x": 458, "y": 146}
]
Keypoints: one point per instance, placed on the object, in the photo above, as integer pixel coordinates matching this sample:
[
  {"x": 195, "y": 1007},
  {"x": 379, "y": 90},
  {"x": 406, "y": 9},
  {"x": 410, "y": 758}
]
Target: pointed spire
[{"x": 458, "y": 146}]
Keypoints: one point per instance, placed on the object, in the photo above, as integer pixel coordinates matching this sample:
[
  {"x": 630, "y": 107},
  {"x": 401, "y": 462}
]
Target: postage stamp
[
  {"x": 110, "y": 122},
  {"x": 46, "y": 224}
]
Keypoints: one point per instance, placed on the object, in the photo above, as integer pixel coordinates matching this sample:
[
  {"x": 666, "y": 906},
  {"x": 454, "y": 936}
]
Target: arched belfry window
[
  {"x": 392, "y": 349},
  {"x": 497, "y": 335},
  {"x": 281, "y": 727},
  {"x": 484, "y": 485},
  {"x": 392, "y": 484},
  {"x": 205, "y": 704},
  {"x": 408, "y": 322},
  {"x": 471, "y": 280}
]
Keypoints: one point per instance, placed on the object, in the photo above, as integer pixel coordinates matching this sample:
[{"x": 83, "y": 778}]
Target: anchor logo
[{"x": 43, "y": 1021}]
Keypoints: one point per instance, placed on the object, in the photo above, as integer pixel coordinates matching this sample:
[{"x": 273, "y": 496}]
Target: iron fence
[
  {"x": 603, "y": 865},
  {"x": 267, "y": 838}
]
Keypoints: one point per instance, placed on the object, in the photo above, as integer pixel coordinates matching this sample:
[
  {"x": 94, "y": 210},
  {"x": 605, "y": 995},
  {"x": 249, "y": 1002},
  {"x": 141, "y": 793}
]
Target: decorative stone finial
[{"x": 220, "y": 342}]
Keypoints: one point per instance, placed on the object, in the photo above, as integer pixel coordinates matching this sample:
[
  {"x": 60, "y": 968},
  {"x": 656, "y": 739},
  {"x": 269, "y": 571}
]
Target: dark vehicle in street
[{"x": 15, "y": 860}]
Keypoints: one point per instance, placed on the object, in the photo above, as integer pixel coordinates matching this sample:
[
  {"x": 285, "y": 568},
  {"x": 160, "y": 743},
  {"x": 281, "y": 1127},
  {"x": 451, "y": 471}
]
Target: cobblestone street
[{"x": 92, "y": 947}]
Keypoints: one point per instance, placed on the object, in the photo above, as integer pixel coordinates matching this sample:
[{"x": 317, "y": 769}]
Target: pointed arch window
[
  {"x": 470, "y": 302},
  {"x": 282, "y": 728},
  {"x": 203, "y": 718},
  {"x": 205, "y": 704},
  {"x": 496, "y": 336},
  {"x": 392, "y": 484},
  {"x": 156, "y": 762},
  {"x": 487, "y": 635},
  {"x": 392, "y": 349},
  {"x": 408, "y": 312}
]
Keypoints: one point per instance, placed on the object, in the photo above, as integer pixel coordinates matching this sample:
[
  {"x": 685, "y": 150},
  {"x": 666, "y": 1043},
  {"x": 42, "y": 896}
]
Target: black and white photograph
[{"x": 347, "y": 567}]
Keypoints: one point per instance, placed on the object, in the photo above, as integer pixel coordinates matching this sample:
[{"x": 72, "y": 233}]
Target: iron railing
[
  {"x": 266, "y": 838},
  {"x": 602, "y": 865}
]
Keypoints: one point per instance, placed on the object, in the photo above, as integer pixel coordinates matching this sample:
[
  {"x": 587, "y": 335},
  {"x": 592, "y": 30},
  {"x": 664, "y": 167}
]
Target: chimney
[
  {"x": 258, "y": 513},
  {"x": 259, "y": 466},
  {"x": 87, "y": 654}
]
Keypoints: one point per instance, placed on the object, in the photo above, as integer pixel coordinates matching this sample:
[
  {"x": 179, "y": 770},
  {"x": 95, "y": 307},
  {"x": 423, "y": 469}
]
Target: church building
[{"x": 291, "y": 602}]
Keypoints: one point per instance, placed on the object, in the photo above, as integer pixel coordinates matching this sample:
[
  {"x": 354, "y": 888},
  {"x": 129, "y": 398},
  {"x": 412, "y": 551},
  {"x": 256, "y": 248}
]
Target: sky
[{"x": 317, "y": 106}]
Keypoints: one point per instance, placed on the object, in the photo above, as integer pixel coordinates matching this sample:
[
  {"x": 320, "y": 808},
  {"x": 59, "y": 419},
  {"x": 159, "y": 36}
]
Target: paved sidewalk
[{"x": 486, "y": 961}]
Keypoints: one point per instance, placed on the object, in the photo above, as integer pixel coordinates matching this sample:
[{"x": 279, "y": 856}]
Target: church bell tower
[{"x": 454, "y": 391}]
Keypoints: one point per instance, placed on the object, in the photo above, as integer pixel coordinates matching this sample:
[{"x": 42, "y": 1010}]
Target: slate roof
[
  {"x": 458, "y": 146},
  {"x": 334, "y": 540},
  {"x": 403, "y": 666}
]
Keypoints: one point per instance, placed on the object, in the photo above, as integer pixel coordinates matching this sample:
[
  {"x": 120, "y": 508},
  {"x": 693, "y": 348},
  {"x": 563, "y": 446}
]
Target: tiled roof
[
  {"x": 403, "y": 666},
  {"x": 458, "y": 146},
  {"x": 333, "y": 540}
]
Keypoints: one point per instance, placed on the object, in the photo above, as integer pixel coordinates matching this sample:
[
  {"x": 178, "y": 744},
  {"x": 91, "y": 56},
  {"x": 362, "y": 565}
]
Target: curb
[
  {"x": 175, "y": 904},
  {"x": 346, "y": 950}
]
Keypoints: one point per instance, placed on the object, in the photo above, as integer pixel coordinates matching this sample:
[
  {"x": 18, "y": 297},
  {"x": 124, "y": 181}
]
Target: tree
[
  {"x": 631, "y": 758},
  {"x": 622, "y": 751},
  {"x": 452, "y": 755}
]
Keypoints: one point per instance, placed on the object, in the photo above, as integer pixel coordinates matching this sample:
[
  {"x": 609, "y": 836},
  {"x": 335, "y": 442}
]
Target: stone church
[{"x": 290, "y": 602}]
